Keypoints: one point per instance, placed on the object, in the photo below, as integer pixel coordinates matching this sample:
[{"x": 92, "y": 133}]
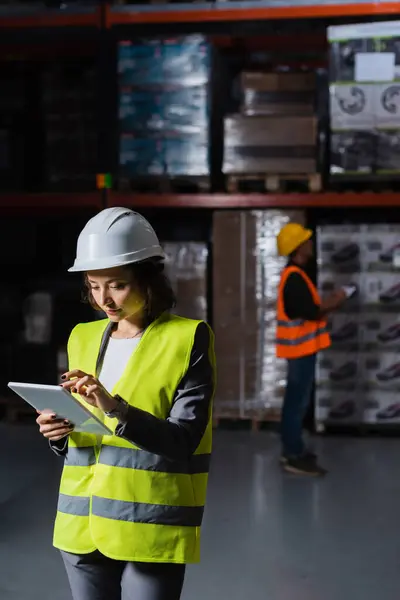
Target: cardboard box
[
  {"x": 382, "y": 408},
  {"x": 278, "y": 93},
  {"x": 339, "y": 248},
  {"x": 181, "y": 61},
  {"x": 381, "y": 370},
  {"x": 387, "y": 108},
  {"x": 346, "y": 331},
  {"x": 378, "y": 244},
  {"x": 353, "y": 153},
  {"x": 277, "y": 82},
  {"x": 380, "y": 332},
  {"x": 388, "y": 152},
  {"x": 337, "y": 369},
  {"x": 276, "y": 131},
  {"x": 352, "y": 107},
  {"x": 270, "y": 144},
  {"x": 382, "y": 290},
  {"x": 337, "y": 408}
]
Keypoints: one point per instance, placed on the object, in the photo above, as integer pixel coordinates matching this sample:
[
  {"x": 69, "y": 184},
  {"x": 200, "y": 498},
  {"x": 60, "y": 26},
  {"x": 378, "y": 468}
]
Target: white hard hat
[{"x": 113, "y": 238}]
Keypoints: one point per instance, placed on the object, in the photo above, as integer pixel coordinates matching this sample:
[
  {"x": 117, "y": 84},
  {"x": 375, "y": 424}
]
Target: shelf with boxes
[
  {"x": 163, "y": 98},
  {"x": 364, "y": 106},
  {"x": 273, "y": 141}
]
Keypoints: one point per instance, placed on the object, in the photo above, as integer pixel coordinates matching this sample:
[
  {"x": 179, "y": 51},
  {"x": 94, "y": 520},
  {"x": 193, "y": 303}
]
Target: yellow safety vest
[{"x": 130, "y": 504}]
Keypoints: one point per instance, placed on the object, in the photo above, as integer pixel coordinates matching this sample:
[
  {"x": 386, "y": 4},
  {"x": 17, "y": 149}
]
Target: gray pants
[{"x": 96, "y": 577}]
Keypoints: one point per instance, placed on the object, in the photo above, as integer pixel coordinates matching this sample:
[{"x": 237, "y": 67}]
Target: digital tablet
[
  {"x": 349, "y": 290},
  {"x": 62, "y": 403}
]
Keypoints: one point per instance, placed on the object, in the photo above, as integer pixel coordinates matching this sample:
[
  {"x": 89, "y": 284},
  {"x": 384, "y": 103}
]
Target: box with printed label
[
  {"x": 353, "y": 152},
  {"x": 381, "y": 290},
  {"x": 339, "y": 248},
  {"x": 338, "y": 369},
  {"x": 345, "y": 331},
  {"x": 388, "y": 152},
  {"x": 334, "y": 406},
  {"x": 387, "y": 105},
  {"x": 184, "y": 110},
  {"x": 352, "y": 107},
  {"x": 381, "y": 370},
  {"x": 380, "y": 331},
  {"x": 379, "y": 244},
  {"x": 181, "y": 61},
  {"x": 381, "y": 407}
]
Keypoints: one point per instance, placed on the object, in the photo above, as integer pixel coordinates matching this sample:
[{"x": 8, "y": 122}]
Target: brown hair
[{"x": 152, "y": 284}]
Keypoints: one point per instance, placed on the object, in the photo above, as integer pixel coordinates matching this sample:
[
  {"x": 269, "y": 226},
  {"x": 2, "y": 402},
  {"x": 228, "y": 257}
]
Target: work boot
[{"x": 304, "y": 465}]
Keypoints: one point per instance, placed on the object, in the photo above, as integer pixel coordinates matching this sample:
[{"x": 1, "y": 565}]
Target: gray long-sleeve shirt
[{"x": 179, "y": 435}]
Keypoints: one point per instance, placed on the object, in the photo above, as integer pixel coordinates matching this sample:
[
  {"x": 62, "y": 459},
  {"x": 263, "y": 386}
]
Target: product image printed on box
[
  {"x": 339, "y": 369},
  {"x": 381, "y": 370},
  {"x": 339, "y": 409},
  {"x": 380, "y": 331},
  {"x": 345, "y": 331},
  {"x": 379, "y": 244},
  {"x": 382, "y": 408},
  {"x": 339, "y": 249}
]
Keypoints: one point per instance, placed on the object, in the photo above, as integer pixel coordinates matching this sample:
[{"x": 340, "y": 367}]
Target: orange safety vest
[{"x": 298, "y": 337}]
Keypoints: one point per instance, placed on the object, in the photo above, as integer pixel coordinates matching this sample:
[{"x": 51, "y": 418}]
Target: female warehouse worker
[{"x": 131, "y": 504}]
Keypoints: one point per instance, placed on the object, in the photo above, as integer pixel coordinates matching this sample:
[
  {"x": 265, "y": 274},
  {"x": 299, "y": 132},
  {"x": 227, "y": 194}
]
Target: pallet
[
  {"x": 15, "y": 410},
  {"x": 274, "y": 183},
  {"x": 161, "y": 184},
  {"x": 251, "y": 423}
]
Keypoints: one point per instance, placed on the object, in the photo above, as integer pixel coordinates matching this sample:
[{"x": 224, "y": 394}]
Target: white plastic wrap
[
  {"x": 186, "y": 267},
  {"x": 246, "y": 273}
]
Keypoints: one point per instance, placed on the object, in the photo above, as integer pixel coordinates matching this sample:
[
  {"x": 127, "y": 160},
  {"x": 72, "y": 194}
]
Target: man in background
[{"x": 301, "y": 333}]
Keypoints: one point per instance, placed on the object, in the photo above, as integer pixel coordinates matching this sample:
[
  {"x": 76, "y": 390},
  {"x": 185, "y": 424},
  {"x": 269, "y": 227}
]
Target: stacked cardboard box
[
  {"x": 276, "y": 131},
  {"x": 358, "y": 378},
  {"x": 278, "y": 93},
  {"x": 246, "y": 272},
  {"x": 163, "y": 106},
  {"x": 364, "y": 90},
  {"x": 270, "y": 144},
  {"x": 186, "y": 267}
]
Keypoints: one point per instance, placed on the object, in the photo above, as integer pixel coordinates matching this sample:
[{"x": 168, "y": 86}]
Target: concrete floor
[{"x": 267, "y": 536}]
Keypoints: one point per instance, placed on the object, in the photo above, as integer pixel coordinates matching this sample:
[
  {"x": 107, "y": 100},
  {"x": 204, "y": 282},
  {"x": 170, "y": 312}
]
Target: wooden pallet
[
  {"x": 274, "y": 183},
  {"x": 161, "y": 184},
  {"x": 15, "y": 410}
]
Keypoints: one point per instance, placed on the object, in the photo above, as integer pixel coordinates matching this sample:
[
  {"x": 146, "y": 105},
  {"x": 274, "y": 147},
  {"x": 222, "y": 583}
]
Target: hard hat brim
[{"x": 81, "y": 266}]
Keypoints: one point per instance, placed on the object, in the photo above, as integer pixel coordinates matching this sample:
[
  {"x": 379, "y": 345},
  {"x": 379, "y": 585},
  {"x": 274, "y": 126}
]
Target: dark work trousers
[
  {"x": 96, "y": 577},
  {"x": 300, "y": 379}
]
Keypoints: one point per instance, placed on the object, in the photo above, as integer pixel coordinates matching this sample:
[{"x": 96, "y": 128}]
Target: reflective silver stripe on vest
[
  {"x": 156, "y": 514},
  {"x": 131, "y": 458},
  {"x": 80, "y": 457},
  {"x": 74, "y": 505},
  {"x": 302, "y": 339},
  {"x": 295, "y": 323}
]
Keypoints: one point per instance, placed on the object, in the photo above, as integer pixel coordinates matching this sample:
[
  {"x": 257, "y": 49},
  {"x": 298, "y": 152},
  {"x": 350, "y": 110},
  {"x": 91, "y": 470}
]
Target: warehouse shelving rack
[{"x": 103, "y": 24}]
